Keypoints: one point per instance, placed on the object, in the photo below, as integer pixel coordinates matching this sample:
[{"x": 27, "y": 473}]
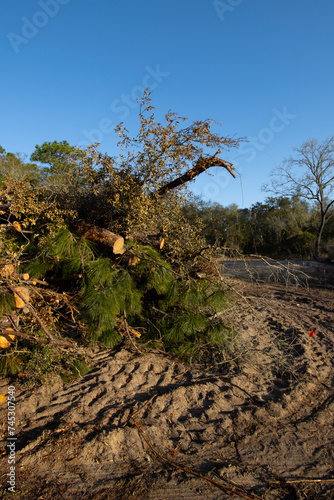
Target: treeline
[{"x": 279, "y": 227}]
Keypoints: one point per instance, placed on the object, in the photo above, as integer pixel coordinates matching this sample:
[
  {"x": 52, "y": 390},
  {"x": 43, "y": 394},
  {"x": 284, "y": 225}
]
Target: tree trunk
[
  {"x": 319, "y": 235},
  {"x": 202, "y": 164},
  {"x": 101, "y": 236}
]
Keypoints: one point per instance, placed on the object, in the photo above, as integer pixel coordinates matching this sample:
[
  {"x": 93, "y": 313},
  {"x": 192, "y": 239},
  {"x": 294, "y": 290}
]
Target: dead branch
[
  {"x": 155, "y": 240},
  {"x": 32, "y": 310},
  {"x": 34, "y": 281},
  {"x": 228, "y": 490},
  {"x": 291, "y": 481},
  {"x": 39, "y": 340},
  {"x": 129, "y": 335},
  {"x": 201, "y": 165}
]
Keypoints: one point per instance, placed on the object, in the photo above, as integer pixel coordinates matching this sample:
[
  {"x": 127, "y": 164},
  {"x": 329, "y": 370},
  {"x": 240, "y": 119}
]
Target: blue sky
[{"x": 71, "y": 70}]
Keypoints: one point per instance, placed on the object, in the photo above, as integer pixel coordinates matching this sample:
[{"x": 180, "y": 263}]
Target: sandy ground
[{"x": 149, "y": 427}]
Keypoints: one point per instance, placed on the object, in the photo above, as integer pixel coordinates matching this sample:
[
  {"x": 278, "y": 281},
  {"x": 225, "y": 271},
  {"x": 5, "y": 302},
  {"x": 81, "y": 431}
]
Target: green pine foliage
[
  {"x": 153, "y": 272},
  {"x": 171, "y": 309},
  {"x": 70, "y": 250},
  {"x": 185, "y": 316},
  {"x": 106, "y": 294},
  {"x": 79, "y": 368},
  {"x": 37, "y": 267},
  {"x": 186, "y": 326},
  {"x": 178, "y": 309},
  {"x": 221, "y": 335},
  {"x": 217, "y": 300},
  {"x": 188, "y": 351},
  {"x": 10, "y": 364},
  {"x": 7, "y": 304}
]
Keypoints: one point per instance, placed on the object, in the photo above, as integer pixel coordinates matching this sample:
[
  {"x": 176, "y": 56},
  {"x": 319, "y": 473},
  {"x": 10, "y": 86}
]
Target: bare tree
[{"x": 310, "y": 175}]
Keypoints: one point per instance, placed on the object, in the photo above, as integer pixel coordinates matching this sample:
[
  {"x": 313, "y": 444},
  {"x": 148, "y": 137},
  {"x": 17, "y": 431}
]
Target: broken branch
[
  {"x": 32, "y": 310},
  {"x": 201, "y": 165},
  {"x": 39, "y": 340}
]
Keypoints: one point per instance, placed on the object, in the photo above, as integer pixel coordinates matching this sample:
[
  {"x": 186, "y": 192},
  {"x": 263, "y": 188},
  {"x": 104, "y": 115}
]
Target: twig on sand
[
  {"x": 317, "y": 480},
  {"x": 228, "y": 490}
]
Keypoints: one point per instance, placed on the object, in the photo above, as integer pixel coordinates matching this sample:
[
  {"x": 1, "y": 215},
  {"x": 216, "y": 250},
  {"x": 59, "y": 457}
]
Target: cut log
[
  {"x": 7, "y": 270},
  {"x": 154, "y": 240},
  {"x": 101, "y": 236},
  {"x": 21, "y": 296},
  {"x": 201, "y": 165}
]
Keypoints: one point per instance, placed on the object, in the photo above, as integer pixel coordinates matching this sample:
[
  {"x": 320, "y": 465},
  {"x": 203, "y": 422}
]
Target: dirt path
[{"x": 249, "y": 424}]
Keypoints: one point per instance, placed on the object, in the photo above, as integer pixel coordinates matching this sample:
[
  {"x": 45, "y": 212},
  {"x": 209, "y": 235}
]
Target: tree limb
[
  {"x": 201, "y": 165},
  {"x": 32, "y": 310},
  {"x": 40, "y": 340}
]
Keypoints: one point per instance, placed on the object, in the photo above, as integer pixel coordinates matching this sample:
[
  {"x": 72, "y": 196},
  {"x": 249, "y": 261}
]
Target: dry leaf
[
  {"x": 17, "y": 226},
  {"x": 134, "y": 332}
]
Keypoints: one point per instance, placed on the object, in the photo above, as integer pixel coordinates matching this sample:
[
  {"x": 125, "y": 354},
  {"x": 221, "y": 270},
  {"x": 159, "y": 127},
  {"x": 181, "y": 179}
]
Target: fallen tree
[{"x": 107, "y": 249}]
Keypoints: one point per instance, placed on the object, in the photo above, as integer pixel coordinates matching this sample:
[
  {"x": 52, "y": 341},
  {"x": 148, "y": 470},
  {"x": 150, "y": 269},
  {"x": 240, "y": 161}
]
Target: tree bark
[
  {"x": 318, "y": 239},
  {"x": 154, "y": 240},
  {"x": 201, "y": 165},
  {"x": 101, "y": 236}
]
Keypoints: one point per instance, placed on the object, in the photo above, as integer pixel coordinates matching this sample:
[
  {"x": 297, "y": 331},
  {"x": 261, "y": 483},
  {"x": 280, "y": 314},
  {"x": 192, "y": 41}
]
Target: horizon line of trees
[{"x": 279, "y": 227}]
